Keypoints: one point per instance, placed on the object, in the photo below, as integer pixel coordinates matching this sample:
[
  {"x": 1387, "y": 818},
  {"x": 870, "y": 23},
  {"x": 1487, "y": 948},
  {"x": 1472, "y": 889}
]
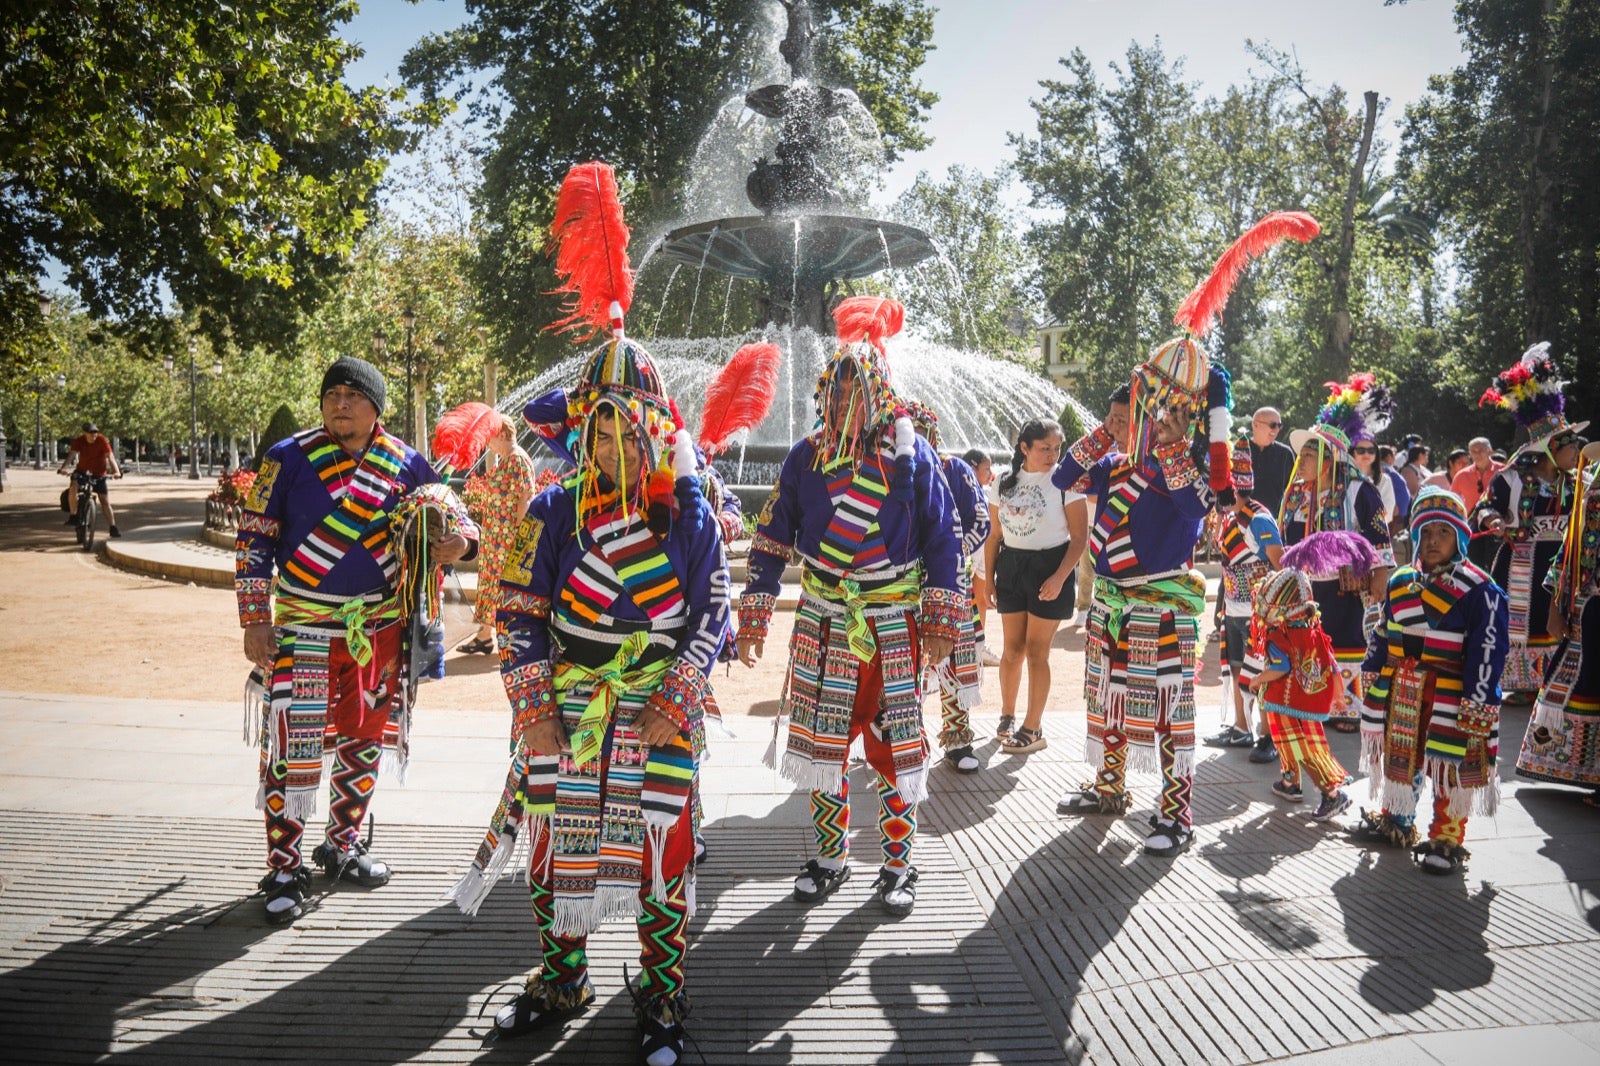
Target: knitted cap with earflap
[
  {"x": 1435, "y": 504},
  {"x": 1284, "y": 596}
]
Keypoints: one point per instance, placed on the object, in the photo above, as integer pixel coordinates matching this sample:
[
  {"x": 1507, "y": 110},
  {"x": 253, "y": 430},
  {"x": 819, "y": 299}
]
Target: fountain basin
[{"x": 831, "y": 247}]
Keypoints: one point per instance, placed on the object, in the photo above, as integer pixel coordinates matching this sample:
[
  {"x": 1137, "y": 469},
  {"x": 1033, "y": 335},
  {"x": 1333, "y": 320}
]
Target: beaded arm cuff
[
  {"x": 760, "y": 542},
  {"x": 255, "y": 599},
  {"x": 942, "y": 614},
  {"x": 532, "y": 693},
  {"x": 1176, "y": 465},
  {"x": 1478, "y": 720},
  {"x": 1087, "y": 449},
  {"x": 683, "y": 687},
  {"x": 755, "y": 614}
]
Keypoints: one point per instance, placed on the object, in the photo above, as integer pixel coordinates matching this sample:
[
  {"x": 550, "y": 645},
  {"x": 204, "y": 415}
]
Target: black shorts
[
  {"x": 1236, "y": 640},
  {"x": 97, "y": 485},
  {"x": 1018, "y": 573}
]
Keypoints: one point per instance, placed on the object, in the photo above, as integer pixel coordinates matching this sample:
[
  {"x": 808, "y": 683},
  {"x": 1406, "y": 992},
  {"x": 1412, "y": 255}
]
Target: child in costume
[
  {"x": 863, "y": 502},
  {"x": 1300, "y": 684},
  {"x": 1432, "y": 679},
  {"x": 614, "y": 606},
  {"x": 1327, "y": 493},
  {"x": 1150, "y": 506}
]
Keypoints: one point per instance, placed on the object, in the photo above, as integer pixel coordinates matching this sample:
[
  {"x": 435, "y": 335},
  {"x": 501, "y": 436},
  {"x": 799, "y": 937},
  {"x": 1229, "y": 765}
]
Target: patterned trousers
[
  {"x": 1176, "y": 789},
  {"x": 350, "y": 787},
  {"x": 897, "y": 824},
  {"x": 1303, "y": 745}
]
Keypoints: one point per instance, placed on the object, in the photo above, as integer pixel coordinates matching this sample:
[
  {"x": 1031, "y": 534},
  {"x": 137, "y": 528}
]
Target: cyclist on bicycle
[{"x": 95, "y": 460}]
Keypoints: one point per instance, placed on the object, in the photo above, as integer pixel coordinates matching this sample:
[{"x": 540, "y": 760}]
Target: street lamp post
[
  {"x": 194, "y": 460},
  {"x": 38, "y": 419},
  {"x": 408, "y": 318}
]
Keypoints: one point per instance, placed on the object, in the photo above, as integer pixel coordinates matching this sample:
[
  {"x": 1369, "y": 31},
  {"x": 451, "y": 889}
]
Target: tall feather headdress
[
  {"x": 1531, "y": 389},
  {"x": 461, "y": 435},
  {"x": 740, "y": 395}
]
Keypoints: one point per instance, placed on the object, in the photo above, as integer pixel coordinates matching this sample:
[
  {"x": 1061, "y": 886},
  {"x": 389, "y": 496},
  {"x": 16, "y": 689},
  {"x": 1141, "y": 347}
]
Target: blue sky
[{"x": 991, "y": 54}]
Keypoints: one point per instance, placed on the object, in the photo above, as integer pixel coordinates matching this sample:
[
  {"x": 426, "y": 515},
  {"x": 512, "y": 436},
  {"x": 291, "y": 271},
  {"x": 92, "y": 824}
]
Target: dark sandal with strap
[
  {"x": 826, "y": 880},
  {"x": 541, "y": 1003},
  {"x": 1090, "y": 801},
  {"x": 1451, "y": 857},
  {"x": 476, "y": 646}
]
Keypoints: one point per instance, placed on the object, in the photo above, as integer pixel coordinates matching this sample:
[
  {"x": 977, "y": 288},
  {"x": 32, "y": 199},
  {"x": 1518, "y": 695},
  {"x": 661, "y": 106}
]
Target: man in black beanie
[{"x": 316, "y": 581}]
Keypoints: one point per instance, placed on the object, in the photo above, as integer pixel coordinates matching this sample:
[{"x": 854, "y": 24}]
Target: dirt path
[{"x": 75, "y": 625}]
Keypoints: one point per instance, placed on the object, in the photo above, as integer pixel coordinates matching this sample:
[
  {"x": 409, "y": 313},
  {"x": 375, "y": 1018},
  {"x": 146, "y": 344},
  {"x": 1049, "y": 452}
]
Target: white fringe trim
[
  {"x": 1094, "y": 752},
  {"x": 1183, "y": 762},
  {"x": 261, "y": 796},
  {"x": 255, "y": 696},
  {"x": 656, "y": 841},
  {"x": 769, "y": 758},
  {"x": 475, "y": 885},
  {"x": 1547, "y": 714},
  {"x": 912, "y": 785},
  {"x": 1370, "y": 760},
  {"x": 580, "y": 917},
  {"x": 1144, "y": 757},
  {"x": 1397, "y": 797},
  {"x": 811, "y": 776},
  {"x": 690, "y": 897}
]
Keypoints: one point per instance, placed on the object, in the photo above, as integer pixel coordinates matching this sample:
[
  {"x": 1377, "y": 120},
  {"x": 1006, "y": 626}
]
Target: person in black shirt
[{"x": 1272, "y": 459}]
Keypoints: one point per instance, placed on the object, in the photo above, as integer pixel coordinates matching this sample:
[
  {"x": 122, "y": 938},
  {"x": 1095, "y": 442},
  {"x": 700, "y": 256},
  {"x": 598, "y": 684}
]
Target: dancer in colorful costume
[
  {"x": 862, "y": 501},
  {"x": 1150, "y": 506},
  {"x": 1432, "y": 705},
  {"x": 961, "y": 675},
  {"x": 319, "y": 578},
  {"x": 1299, "y": 684},
  {"x": 614, "y": 605},
  {"x": 1527, "y": 504},
  {"x": 1326, "y": 493},
  {"x": 1563, "y": 741}
]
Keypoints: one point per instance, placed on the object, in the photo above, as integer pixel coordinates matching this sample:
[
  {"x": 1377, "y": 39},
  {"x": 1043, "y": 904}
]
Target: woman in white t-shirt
[{"x": 1036, "y": 534}]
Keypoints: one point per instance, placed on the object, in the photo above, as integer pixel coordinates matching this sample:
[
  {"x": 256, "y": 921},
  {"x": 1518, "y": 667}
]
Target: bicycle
[{"x": 88, "y": 510}]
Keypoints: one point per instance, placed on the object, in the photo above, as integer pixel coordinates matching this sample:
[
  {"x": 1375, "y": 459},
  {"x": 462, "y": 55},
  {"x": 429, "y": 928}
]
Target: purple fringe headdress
[{"x": 1322, "y": 555}]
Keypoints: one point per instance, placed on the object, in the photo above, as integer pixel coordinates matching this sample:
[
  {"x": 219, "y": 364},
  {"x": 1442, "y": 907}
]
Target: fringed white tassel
[
  {"x": 1370, "y": 761},
  {"x": 475, "y": 885},
  {"x": 717, "y": 729},
  {"x": 912, "y": 784},
  {"x": 1548, "y": 715},
  {"x": 274, "y": 712},
  {"x": 261, "y": 796},
  {"x": 1398, "y": 797},
  {"x": 1143, "y": 757},
  {"x": 1183, "y": 762},
  {"x": 1461, "y": 801},
  {"x": 814, "y": 777},
  {"x": 1094, "y": 751},
  {"x": 255, "y": 694},
  {"x": 301, "y": 803},
  {"x": 656, "y": 841},
  {"x": 1116, "y": 709},
  {"x": 690, "y": 900},
  {"x": 1489, "y": 795},
  {"x": 780, "y": 726},
  {"x": 580, "y": 917}
]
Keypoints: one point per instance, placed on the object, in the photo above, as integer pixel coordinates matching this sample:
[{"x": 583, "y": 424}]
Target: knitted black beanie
[{"x": 356, "y": 374}]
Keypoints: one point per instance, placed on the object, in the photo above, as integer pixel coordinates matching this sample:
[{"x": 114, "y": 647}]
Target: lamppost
[
  {"x": 380, "y": 344},
  {"x": 38, "y": 421},
  {"x": 216, "y": 368}
]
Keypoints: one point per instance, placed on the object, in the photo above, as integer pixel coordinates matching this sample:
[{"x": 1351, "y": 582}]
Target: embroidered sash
[
  {"x": 1112, "y": 536},
  {"x": 360, "y": 498},
  {"x": 853, "y": 540},
  {"x": 623, "y": 557}
]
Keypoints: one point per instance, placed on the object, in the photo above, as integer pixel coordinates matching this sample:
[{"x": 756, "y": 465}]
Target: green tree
[
  {"x": 977, "y": 294},
  {"x": 212, "y": 151},
  {"x": 1110, "y": 167},
  {"x": 1502, "y": 151},
  {"x": 635, "y": 83}
]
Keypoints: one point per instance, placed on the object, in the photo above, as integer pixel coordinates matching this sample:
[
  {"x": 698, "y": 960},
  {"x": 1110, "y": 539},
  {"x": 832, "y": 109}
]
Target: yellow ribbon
[
  {"x": 354, "y": 615},
  {"x": 849, "y": 595},
  {"x": 1186, "y": 594},
  {"x": 610, "y": 679}
]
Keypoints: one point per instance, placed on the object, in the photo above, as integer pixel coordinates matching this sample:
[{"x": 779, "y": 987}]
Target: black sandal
[
  {"x": 541, "y": 1003},
  {"x": 826, "y": 880},
  {"x": 476, "y": 646}
]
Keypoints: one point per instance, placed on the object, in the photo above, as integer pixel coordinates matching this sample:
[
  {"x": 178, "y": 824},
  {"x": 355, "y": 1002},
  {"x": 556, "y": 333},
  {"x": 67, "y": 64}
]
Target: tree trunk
[
  {"x": 1336, "y": 353},
  {"x": 419, "y": 400},
  {"x": 1540, "y": 283}
]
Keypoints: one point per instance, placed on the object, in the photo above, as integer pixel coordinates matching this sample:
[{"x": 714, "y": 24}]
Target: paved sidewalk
[{"x": 127, "y": 931}]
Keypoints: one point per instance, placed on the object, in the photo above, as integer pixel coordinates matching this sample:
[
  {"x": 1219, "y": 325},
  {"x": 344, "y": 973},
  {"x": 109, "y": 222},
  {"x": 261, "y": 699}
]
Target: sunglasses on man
[{"x": 1269, "y": 425}]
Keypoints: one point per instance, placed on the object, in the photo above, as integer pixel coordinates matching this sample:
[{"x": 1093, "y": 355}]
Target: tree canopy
[{"x": 211, "y": 152}]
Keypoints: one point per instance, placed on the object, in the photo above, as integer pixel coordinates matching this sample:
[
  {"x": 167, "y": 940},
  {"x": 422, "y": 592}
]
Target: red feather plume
[
  {"x": 1204, "y": 305},
  {"x": 740, "y": 395},
  {"x": 875, "y": 318},
  {"x": 462, "y": 433},
  {"x": 591, "y": 247}
]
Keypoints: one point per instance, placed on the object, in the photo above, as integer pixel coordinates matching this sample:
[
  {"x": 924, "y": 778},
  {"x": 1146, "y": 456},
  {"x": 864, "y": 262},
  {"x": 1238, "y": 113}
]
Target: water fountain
[{"x": 801, "y": 249}]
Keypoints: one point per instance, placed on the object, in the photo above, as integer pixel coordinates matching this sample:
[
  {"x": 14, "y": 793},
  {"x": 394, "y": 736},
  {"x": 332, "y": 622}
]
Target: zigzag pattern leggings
[
  {"x": 350, "y": 786},
  {"x": 662, "y": 943},
  {"x": 897, "y": 823}
]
